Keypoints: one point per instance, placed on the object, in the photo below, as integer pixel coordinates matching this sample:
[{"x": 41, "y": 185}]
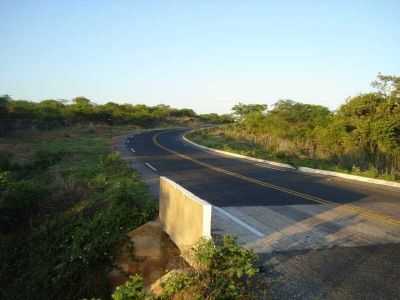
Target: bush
[
  {"x": 133, "y": 289},
  {"x": 223, "y": 272},
  {"x": 176, "y": 282},
  {"x": 23, "y": 195},
  {"x": 19, "y": 202},
  {"x": 112, "y": 163},
  {"x": 44, "y": 159},
  {"x": 226, "y": 269},
  {"x": 71, "y": 252},
  {"x": 4, "y": 180},
  {"x": 5, "y": 161}
]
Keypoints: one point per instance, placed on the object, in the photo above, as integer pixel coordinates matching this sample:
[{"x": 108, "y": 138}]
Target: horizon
[{"x": 204, "y": 56}]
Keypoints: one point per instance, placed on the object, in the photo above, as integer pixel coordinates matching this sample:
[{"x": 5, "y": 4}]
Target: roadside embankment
[
  {"x": 166, "y": 244},
  {"x": 217, "y": 144},
  {"x": 66, "y": 203},
  {"x": 147, "y": 251}
]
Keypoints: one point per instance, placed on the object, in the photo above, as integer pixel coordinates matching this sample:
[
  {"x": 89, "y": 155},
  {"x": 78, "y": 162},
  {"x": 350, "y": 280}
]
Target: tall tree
[{"x": 240, "y": 110}]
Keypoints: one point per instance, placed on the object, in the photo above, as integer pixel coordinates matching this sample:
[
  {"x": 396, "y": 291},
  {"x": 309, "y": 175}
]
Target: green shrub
[
  {"x": 224, "y": 271},
  {"x": 133, "y": 289},
  {"x": 44, "y": 159},
  {"x": 4, "y": 180},
  {"x": 228, "y": 269},
  {"x": 19, "y": 202},
  {"x": 113, "y": 164},
  {"x": 69, "y": 251},
  {"x": 23, "y": 195},
  {"x": 176, "y": 282},
  {"x": 5, "y": 161}
]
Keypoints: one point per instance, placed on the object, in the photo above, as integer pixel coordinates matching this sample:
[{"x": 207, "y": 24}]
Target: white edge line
[
  {"x": 150, "y": 166},
  {"x": 238, "y": 221},
  {"x": 207, "y": 207}
]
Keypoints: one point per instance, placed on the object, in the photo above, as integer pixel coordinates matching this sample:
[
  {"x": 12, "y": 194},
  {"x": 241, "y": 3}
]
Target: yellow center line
[{"x": 362, "y": 211}]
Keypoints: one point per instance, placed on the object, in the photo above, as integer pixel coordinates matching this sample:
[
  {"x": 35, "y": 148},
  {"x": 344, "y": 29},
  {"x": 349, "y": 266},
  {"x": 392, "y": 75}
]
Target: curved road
[{"x": 320, "y": 236}]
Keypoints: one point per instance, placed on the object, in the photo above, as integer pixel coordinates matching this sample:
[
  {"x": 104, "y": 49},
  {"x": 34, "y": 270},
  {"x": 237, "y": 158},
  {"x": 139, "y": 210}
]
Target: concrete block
[
  {"x": 184, "y": 217},
  {"x": 350, "y": 177}
]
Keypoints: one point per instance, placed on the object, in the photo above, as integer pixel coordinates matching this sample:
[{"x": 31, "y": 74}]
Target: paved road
[{"x": 318, "y": 236}]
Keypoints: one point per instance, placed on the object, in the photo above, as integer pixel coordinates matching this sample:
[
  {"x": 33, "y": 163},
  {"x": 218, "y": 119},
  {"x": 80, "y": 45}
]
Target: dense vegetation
[
  {"x": 47, "y": 114},
  {"x": 66, "y": 202},
  {"x": 361, "y": 137},
  {"x": 224, "y": 271}
]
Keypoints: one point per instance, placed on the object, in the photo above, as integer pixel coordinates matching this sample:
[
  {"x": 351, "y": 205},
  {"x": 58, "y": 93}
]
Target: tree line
[
  {"x": 46, "y": 114},
  {"x": 362, "y": 135}
]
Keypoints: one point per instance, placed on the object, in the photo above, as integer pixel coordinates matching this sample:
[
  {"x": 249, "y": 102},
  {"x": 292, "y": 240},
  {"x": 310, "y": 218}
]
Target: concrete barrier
[
  {"x": 184, "y": 217},
  {"x": 349, "y": 176}
]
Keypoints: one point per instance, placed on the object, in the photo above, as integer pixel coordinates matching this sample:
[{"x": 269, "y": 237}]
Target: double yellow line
[{"x": 362, "y": 211}]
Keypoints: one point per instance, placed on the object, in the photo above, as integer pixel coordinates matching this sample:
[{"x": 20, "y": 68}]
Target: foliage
[
  {"x": 43, "y": 159},
  {"x": 4, "y": 100},
  {"x": 224, "y": 271},
  {"x": 80, "y": 207},
  {"x": 176, "y": 282},
  {"x": 361, "y": 137},
  {"x": 48, "y": 114},
  {"x": 216, "y": 119},
  {"x": 133, "y": 289},
  {"x": 387, "y": 85},
  {"x": 241, "y": 111},
  {"x": 18, "y": 202},
  {"x": 227, "y": 269},
  {"x": 4, "y": 180}
]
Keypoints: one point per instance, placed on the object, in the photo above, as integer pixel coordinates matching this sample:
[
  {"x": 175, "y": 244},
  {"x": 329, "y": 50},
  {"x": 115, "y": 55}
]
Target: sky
[{"x": 205, "y": 55}]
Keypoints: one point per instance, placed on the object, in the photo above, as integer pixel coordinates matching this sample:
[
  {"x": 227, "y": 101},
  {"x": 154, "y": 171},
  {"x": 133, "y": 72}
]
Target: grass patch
[{"x": 66, "y": 202}]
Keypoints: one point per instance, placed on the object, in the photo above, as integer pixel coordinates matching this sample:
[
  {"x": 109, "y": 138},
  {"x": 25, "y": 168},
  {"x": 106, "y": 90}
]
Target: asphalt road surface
[{"x": 318, "y": 237}]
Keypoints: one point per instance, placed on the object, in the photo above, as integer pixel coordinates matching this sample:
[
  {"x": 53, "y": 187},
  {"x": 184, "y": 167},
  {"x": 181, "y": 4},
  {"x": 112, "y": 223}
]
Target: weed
[
  {"x": 18, "y": 203},
  {"x": 43, "y": 159},
  {"x": 177, "y": 282},
  {"x": 227, "y": 269},
  {"x": 224, "y": 271},
  {"x": 66, "y": 254},
  {"x": 233, "y": 140},
  {"x": 133, "y": 289}
]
